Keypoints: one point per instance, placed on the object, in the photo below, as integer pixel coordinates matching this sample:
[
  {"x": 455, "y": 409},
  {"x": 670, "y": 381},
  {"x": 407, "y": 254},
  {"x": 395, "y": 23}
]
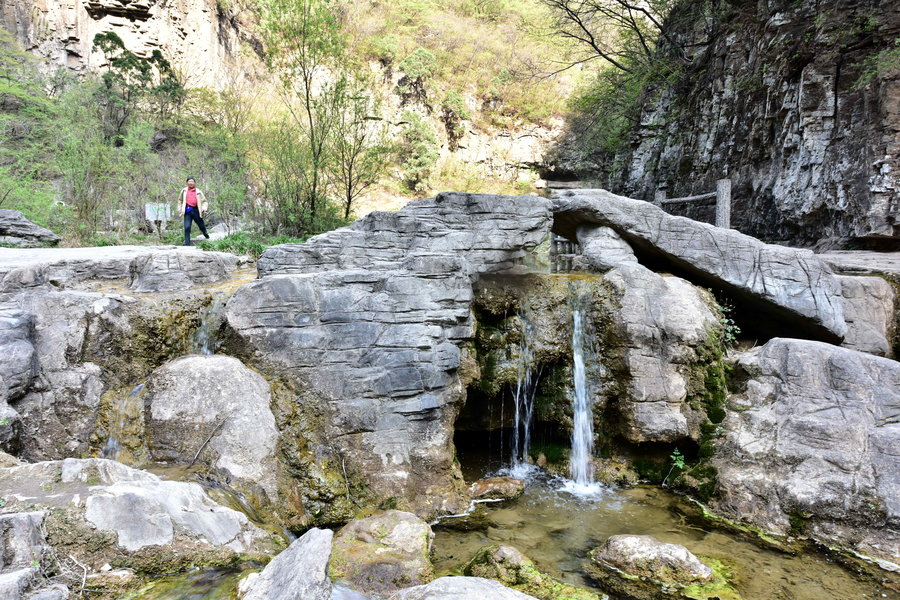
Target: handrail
[{"x": 722, "y": 196}]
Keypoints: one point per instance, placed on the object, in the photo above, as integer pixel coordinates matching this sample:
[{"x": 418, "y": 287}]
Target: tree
[
  {"x": 130, "y": 81},
  {"x": 303, "y": 43},
  {"x": 358, "y": 145},
  {"x": 419, "y": 151}
]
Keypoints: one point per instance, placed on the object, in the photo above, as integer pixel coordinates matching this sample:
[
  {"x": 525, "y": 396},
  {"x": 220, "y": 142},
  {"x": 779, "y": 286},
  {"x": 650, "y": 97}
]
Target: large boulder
[
  {"x": 298, "y": 573},
  {"x": 373, "y": 321},
  {"x": 16, "y": 230},
  {"x": 869, "y": 306},
  {"x": 102, "y": 511},
  {"x": 793, "y": 286},
  {"x": 383, "y": 553},
  {"x": 215, "y": 411},
  {"x": 810, "y": 445},
  {"x": 460, "y": 588}
]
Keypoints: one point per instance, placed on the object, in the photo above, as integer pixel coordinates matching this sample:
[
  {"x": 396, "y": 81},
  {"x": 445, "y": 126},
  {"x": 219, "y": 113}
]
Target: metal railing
[{"x": 721, "y": 198}]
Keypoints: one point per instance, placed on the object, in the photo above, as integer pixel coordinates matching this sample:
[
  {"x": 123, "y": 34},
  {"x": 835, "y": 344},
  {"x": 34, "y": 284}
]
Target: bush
[
  {"x": 247, "y": 244},
  {"x": 419, "y": 152}
]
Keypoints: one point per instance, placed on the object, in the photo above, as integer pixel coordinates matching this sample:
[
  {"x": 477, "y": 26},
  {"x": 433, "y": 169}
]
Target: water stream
[
  {"x": 204, "y": 341},
  {"x": 127, "y": 415},
  {"x": 523, "y": 397},
  {"x": 581, "y": 464}
]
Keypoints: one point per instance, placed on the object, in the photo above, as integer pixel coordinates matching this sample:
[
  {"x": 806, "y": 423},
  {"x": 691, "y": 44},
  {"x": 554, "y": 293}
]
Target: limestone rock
[
  {"x": 383, "y": 553},
  {"x": 373, "y": 320},
  {"x": 15, "y": 229},
  {"x": 603, "y": 248},
  {"x": 20, "y": 365},
  {"x": 130, "y": 510},
  {"x": 491, "y": 232},
  {"x": 22, "y": 550},
  {"x": 645, "y": 556},
  {"x": 217, "y": 404},
  {"x": 503, "y": 488},
  {"x": 299, "y": 572},
  {"x": 789, "y": 284},
  {"x": 811, "y": 445},
  {"x": 460, "y": 588},
  {"x": 166, "y": 271},
  {"x": 869, "y": 305},
  {"x": 663, "y": 322}
]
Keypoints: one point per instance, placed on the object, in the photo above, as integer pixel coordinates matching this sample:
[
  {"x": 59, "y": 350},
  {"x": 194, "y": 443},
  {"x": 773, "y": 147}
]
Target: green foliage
[
  {"x": 419, "y": 153},
  {"x": 418, "y": 65},
  {"x": 878, "y": 65},
  {"x": 677, "y": 459},
  {"x": 453, "y": 113},
  {"x": 248, "y": 244}
]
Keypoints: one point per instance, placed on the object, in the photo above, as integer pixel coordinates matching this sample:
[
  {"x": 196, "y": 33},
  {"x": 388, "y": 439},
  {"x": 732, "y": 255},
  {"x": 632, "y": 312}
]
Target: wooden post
[{"x": 723, "y": 203}]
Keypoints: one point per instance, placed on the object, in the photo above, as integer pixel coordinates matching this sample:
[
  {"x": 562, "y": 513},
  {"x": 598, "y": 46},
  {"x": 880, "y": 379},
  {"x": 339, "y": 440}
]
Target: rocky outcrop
[
  {"x": 213, "y": 410},
  {"x": 100, "y": 509},
  {"x": 869, "y": 309},
  {"x": 774, "y": 97},
  {"x": 198, "y": 37},
  {"x": 172, "y": 270},
  {"x": 381, "y": 554},
  {"x": 793, "y": 286},
  {"x": 299, "y": 572},
  {"x": 810, "y": 446},
  {"x": 24, "y": 551},
  {"x": 373, "y": 321},
  {"x": 16, "y": 230}
]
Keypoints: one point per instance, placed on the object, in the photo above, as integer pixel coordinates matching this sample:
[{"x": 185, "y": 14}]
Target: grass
[{"x": 248, "y": 244}]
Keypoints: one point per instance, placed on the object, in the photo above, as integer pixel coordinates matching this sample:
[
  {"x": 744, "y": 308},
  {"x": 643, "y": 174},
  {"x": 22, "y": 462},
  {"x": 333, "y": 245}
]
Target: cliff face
[
  {"x": 772, "y": 100},
  {"x": 209, "y": 45}
]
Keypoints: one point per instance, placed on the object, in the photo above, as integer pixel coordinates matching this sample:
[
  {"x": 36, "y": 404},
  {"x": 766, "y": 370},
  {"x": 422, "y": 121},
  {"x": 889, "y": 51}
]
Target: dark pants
[{"x": 189, "y": 217}]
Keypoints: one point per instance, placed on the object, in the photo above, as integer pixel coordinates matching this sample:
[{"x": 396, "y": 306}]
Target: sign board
[{"x": 158, "y": 211}]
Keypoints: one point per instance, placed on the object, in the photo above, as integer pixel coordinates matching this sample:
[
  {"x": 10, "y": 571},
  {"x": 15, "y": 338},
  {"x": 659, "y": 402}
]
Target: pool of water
[{"x": 557, "y": 529}]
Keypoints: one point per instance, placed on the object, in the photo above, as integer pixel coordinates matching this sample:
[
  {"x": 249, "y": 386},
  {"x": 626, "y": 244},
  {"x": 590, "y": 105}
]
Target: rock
[
  {"x": 56, "y": 591},
  {"x": 22, "y": 552},
  {"x": 810, "y": 446},
  {"x": 299, "y": 572},
  {"x": 497, "y": 488},
  {"x": 383, "y": 553},
  {"x": 171, "y": 270},
  {"x": 460, "y": 588},
  {"x": 645, "y": 556},
  {"x": 511, "y": 568},
  {"x": 491, "y": 232},
  {"x": 373, "y": 322},
  {"x": 20, "y": 365},
  {"x": 789, "y": 285},
  {"x": 861, "y": 262},
  {"x": 100, "y": 508},
  {"x": 869, "y": 306},
  {"x": 15, "y": 229},
  {"x": 663, "y": 324},
  {"x": 216, "y": 404},
  {"x": 603, "y": 248}
]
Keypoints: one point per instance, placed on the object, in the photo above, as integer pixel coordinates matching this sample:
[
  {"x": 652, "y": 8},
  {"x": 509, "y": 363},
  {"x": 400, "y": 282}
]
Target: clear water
[
  {"x": 204, "y": 341},
  {"x": 581, "y": 464},
  {"x": 526, "y": 388},
  {"x": 557, "y": 529}
]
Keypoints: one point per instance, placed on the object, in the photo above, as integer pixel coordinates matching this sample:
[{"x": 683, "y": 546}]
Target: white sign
[{"x": 158, "y": 211}]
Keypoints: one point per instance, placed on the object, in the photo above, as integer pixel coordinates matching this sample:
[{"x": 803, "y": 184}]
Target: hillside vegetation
[{"x": 391, "y": 88}]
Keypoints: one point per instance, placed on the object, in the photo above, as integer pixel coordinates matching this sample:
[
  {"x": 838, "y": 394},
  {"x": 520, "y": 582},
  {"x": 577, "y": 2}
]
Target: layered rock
[
  {"x": 196, "y": 36},
  {"x": 810, "y": 445},
  {"x": 791, "y": 285},
  {"x": 372, "y": 322},
  {"x": 383, "y": 553},
  {"x": 100, "y": 509},
  {"x": 16, "y": 230},
  {"x": 781, "y": 98}
]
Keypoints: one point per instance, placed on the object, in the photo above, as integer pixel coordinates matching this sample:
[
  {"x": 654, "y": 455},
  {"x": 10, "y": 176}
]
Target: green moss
[{"x": 797, "y": 520}]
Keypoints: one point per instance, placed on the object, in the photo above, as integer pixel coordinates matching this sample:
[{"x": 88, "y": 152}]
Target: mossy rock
[{"x": 511, "y": 568}]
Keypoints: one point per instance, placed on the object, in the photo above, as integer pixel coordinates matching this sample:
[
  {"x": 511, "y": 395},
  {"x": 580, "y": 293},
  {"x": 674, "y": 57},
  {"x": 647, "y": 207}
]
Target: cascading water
[
  {"x": 581, "y": 464},
  {"x": 523, "y": 398},
  {"x": 210, "y": 321},
  {"x": 128, "y": 410}
]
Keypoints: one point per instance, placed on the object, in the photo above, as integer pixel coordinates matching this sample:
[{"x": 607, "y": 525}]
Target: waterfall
[
  {"x": 210, "y": 321},
  {"x": 523, "y": 399},
  {"x": 581, "y": 465},
  {"x": 128, "y": 412}
]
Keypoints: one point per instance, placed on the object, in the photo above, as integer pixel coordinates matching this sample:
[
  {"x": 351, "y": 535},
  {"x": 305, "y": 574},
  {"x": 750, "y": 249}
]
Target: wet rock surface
[
  {"x": 380, "y": 554},
  {"x": 299, "y": 572},
  {"x": 645, "y": 556},
  {"x": 16, "y": 230},
  {"x": 497, "y": 488},
  {"x": 810, "y": 445}
]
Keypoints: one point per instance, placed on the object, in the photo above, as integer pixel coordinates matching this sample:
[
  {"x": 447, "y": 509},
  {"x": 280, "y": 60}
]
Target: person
[{"x": 193, "y": 206}]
